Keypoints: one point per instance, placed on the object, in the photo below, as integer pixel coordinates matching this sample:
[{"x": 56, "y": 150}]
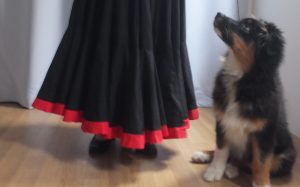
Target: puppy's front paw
[
  {"x": 213, "y": 174},
  {"x": 231, "y": 171},
  {"x": 201, "y": 157}
]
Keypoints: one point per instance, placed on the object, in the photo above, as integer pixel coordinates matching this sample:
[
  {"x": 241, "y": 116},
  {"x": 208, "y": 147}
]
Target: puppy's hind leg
[
  {"x": 261, "y": 166},
  {"x": 231, "y": 171}
]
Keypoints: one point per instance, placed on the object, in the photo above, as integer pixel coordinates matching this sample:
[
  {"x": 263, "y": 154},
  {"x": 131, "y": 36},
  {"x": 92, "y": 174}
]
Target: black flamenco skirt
[{"x": 122, "y": 70}]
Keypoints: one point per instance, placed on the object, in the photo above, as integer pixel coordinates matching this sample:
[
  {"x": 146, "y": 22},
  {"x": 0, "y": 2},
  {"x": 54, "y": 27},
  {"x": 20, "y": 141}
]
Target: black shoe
[
  {"x": 98, "y": 146},
  {"x": 150, "y": 150}
]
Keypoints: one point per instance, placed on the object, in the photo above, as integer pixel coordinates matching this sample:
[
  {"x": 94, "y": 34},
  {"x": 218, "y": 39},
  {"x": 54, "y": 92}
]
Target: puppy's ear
[{"x": 274, "y": 41}]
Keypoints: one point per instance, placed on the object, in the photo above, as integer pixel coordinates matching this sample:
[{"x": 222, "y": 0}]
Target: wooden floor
[{"x": 38, "y": 150}]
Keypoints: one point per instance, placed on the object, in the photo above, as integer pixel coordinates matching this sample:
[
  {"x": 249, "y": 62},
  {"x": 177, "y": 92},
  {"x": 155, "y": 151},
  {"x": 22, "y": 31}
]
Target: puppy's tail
[{"x": 202, "y": 157}]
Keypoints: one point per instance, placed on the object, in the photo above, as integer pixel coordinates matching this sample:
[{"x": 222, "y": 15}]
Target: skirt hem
[{"x": 127, "y": 140}]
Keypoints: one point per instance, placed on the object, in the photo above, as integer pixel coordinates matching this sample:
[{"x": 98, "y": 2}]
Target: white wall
[{"x": 287, "y": 16}]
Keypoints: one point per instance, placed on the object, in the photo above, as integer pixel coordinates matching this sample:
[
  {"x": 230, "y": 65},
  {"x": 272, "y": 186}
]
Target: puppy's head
[{"x": 253, "y": 42}]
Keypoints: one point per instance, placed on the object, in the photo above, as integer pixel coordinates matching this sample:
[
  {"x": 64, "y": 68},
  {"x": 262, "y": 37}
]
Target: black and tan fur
[{"x": 251, "y": 121}]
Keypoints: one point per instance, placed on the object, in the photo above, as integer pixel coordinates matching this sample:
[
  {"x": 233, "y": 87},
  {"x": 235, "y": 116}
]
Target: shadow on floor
[{"x": 70, "y": 145}]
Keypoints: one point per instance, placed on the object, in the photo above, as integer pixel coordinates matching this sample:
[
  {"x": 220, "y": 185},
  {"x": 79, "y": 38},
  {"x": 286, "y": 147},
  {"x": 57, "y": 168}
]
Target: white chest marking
[{"x": 235, "y": 127}]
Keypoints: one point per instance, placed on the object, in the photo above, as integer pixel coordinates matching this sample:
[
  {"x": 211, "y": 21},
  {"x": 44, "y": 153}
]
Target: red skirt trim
[{"x": 134, "y": 141}]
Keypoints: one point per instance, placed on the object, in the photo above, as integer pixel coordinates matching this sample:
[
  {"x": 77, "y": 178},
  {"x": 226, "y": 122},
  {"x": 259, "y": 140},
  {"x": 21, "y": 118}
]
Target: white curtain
[
  {"x": 30, "y": 31},
  {"x": 204, "y": 46}
]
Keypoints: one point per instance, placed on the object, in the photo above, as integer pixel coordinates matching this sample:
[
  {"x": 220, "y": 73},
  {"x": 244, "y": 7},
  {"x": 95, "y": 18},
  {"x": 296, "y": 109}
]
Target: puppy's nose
[{"x": 219, "y": 14}]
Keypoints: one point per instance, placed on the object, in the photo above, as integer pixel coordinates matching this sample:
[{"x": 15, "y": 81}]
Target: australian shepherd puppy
[{"x": 251, "y": 124}]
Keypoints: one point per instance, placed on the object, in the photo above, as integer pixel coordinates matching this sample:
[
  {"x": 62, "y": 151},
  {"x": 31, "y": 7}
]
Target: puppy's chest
[{"x": 236, "y": 128}]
